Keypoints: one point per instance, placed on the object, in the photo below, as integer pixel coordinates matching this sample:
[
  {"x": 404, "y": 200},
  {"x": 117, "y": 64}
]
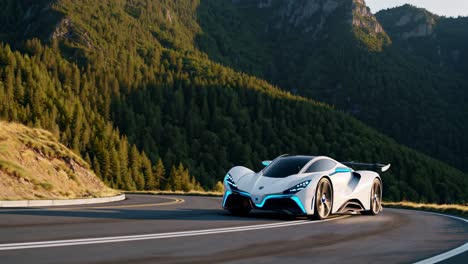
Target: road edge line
[{"x": 449, "y": 254}]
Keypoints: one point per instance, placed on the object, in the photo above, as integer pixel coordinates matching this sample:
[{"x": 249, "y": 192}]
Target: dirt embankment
[{"x": 34, "y": 165}]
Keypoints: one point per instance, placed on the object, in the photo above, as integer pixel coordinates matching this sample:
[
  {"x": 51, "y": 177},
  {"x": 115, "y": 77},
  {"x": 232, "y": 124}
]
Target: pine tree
[
  {"x": 97, "y": 167},
  {"x": 159, "y": 173},
  {"x": 135, "y": 163},
  {"x": 149, "y": 176},
  {"x": 173, "y": 183},
  {"x": 115, "y": 168}
]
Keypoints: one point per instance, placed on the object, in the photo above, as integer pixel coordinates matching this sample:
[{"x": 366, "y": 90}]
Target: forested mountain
[
  {"x": 132, "y": 86},
  {"x": 441, "y": 40},
  {"x": 336, "y": 51}
]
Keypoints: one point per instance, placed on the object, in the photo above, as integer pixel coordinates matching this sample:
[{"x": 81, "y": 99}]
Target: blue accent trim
[
  {"x": 225, "y": 178},
  {"x": 341, "y": 170},
  {"x": 226, "y": 195},
  {"x": 272, "y": 196},
  {"x": 298, "y": 201},
  {"x": 266, "y": 162}
]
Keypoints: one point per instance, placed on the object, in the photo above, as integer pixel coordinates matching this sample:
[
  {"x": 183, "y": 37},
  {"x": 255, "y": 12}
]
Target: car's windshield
[{"x": 283, "y": 167}]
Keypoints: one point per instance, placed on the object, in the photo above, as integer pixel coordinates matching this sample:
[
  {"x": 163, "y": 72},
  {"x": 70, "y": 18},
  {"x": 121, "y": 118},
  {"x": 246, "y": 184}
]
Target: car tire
[
  {"x": 323, "y": 200},
  {"x": 375, "y": 198}
]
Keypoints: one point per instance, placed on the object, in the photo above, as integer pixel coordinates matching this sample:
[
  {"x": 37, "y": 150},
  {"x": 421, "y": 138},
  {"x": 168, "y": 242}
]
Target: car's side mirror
[{"x": 266, "y": 162}]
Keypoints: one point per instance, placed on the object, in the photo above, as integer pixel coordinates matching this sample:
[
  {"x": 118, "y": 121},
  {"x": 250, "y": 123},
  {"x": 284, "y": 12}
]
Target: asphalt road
[{"x": 181, "y": 229}]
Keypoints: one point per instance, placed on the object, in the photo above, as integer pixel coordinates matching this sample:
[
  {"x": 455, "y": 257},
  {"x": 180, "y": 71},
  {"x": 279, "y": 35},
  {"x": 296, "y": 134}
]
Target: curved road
[{"x": 182, "y": 229}]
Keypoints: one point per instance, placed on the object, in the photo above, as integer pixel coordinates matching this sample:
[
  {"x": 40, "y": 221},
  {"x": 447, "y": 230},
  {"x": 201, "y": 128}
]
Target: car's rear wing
[{"x": 372, "y": 166}]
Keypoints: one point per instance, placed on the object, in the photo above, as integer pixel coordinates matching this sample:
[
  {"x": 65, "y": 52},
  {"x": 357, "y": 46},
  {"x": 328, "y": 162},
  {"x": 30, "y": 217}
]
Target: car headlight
[
  {"x": 298, "y": 187},
  {"x": 230, "y": 181}
]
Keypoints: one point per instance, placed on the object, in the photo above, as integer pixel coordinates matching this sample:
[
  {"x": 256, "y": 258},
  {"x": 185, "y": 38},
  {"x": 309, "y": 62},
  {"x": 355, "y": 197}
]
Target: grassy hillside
[
  {"x": 122, "y": 84},
  {"x": 34, "y": 165}
]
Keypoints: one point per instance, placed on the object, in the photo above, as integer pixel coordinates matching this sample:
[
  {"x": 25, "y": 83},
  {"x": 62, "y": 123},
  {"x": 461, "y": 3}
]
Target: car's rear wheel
[
  {"x": 240, "y": 211},
  {"x": 323, "y": 200},
  {"x": 375, "y": 198}
]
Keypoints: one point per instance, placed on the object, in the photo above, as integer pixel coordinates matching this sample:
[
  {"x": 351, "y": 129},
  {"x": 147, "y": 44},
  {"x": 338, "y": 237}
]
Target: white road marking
[
  {"x": 448, "y": 254},
  {"x": 88, "y": 241}
]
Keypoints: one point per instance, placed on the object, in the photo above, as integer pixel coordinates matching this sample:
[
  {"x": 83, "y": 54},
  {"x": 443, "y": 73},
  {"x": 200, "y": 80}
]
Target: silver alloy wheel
[
  {"x": 325, "y": 198},
  {"x": 376, "y": 197}
]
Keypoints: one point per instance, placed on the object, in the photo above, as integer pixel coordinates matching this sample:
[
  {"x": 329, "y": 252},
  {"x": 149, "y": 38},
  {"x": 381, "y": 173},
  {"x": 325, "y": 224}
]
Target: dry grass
[
  {"x": 14, "y": 170},
  {"x": 453, "y": 209},
  {"x": 44, "y": 143},
  {"x": 34, "y": 165}
]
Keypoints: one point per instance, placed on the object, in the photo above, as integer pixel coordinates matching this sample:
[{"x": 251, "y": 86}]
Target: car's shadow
[{"x": 137, "y": 214}]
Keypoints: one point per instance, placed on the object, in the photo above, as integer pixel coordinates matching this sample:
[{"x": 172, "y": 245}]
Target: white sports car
[{"x": 305, "y": 185}]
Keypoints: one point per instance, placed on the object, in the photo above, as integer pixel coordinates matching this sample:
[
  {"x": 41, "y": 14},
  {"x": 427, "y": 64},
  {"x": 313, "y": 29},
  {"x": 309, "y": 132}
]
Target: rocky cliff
[
  {"x": 408, "y": 22},
  {"x": 317, "y": 18}
]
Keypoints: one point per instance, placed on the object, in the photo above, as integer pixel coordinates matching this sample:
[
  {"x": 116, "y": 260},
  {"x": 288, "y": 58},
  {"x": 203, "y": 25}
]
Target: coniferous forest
[{"x": 136, "y": 88}]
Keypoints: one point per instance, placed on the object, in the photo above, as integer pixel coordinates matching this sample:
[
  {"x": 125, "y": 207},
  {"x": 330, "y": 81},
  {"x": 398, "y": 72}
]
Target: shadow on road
[{"x": 136, "y": 214}]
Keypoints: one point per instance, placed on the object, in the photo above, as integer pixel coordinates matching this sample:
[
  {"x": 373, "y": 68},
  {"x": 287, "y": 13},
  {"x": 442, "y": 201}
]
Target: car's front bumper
[{"x": 288, "y": 203}]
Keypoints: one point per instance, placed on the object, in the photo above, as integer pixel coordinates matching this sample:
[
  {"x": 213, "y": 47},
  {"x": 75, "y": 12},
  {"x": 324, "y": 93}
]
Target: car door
[{"x": 340, "y": 178}]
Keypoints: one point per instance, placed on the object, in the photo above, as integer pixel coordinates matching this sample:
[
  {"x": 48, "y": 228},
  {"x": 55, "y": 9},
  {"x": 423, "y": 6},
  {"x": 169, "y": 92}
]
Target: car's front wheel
[
  {"x": 375, "y": 198},
  {"x": 323, "y": 200}
]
